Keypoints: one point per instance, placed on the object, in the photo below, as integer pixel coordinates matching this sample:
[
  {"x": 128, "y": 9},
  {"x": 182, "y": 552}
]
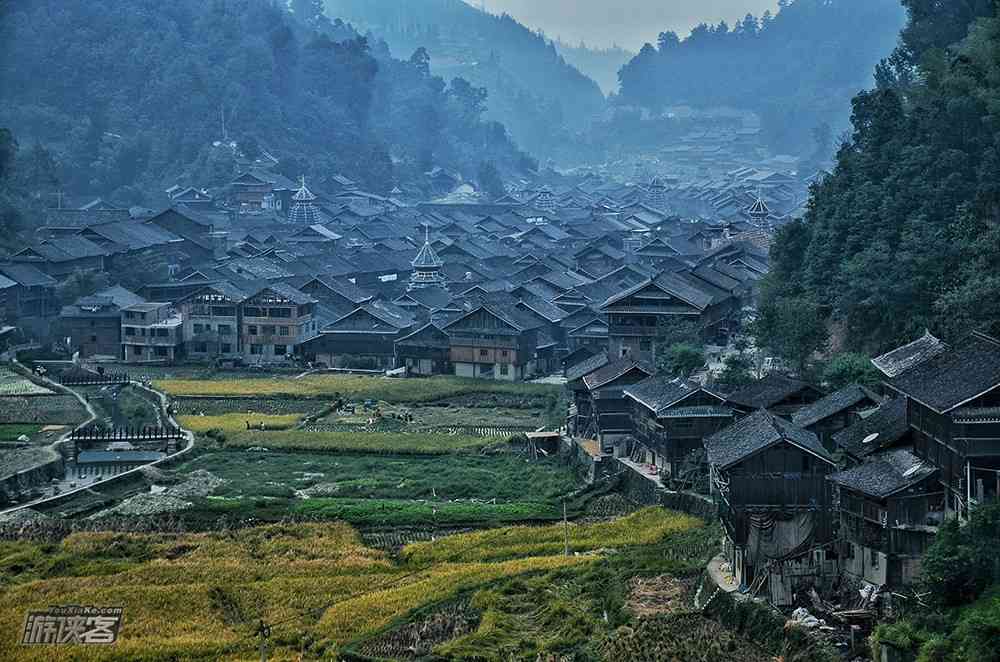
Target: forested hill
[
  {"x": 905, "y": 234},
  {"x": 129, "y": 96},
  {"x": 601, "y": 64},
  {"x": 797, "y": 69},
  {"x": 540, "y": 98}
]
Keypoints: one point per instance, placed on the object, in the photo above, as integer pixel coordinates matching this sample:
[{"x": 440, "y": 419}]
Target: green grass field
[
  {"x": 377, "y": 443},
  {"x": 11, "y": 431}
]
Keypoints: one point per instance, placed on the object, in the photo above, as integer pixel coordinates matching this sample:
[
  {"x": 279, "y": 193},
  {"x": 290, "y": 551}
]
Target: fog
[{"x": 629, "y": 23}]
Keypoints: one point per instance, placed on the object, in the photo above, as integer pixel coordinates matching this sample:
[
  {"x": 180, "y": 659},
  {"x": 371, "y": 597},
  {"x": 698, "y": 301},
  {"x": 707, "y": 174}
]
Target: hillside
[
  {"x": 131, "y": 97},
  {"x": 796, "y": 69},
  {"x": 601, "y": 64},
  {"x": 540, "y": 98},
  {"x": 903, "y": 235}
]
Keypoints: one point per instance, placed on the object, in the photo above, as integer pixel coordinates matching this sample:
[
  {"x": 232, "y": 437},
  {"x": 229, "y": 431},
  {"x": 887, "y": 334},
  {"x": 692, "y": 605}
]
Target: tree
[
  {"x": 8, "y": 153},
  {"x": 490, "y": 181},
  {"x": 680, "y": 360},
  {"x": 850, "y": 368},
  {"x": 793, "y": 328},
  {"x": 736, "y": 370},
  {"x": 250, "y": 148},
  {"x": 80, "y": 284},
  {"x": 951, "y": 571}
]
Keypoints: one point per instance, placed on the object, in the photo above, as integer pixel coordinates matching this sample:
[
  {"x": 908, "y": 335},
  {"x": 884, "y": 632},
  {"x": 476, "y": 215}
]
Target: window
[
  {"x": 483, "y": 353},
  {"x": 645, "y": 346},
  {"x": 268, "y": 330},
  {"x": 225, "y": 330},
  {"x": 281, "y": 312},
  {"x": 137, "y": 350},
  {"x": 93, "y": 338},
  {"x": 226, "y": 348},
  {"x": 280, "y": 350},
  {"x": 200, "y": 347},
  {"x": 223, "y": 311},
  {"x": 873, "y": 556},
  {"x": 504, "y": 369},
  {"x": 162, "y": 333},
  {"x": 253, "y": 312},
  {"x": 199, "y": 328},
  {"x": 161, "y": 351},
  {"x": 504, "y": 353},
  {"x": 283, "y": 330},
  {"x": 255, "y": 349},
  {"x": 129, "y": 331},
  {"x": 252, "y": 330}
]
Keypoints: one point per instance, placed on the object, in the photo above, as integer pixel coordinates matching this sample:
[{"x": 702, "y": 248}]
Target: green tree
[
  {"x": 850, "y": 368},
  {"x": 680, "y": 360},
  {"x": 737, "y": 370},
  {"x": 489, "y": 180},
  {"x": 792, "y": 328}
]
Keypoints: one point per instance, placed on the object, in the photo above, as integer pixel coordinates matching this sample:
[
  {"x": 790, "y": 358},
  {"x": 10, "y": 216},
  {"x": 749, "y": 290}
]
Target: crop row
[
  {"x": 239, "y": 422},
  {"x": 55, "y": 409},
  {"x": 188, "y": 406},
  {"x": 352, "y": 387},
  {"x": 643, "y": 527},
  {"x": 357, "y": 442}
]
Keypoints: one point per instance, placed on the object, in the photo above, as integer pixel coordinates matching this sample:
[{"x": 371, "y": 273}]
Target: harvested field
[
  {"x": 42, "y": 409},
  {"x": 384, "y": 443},
  {"x": 238, "y": 422},
  {"x": 187, "y": 406},
  {"x": 655, "y": 596}
]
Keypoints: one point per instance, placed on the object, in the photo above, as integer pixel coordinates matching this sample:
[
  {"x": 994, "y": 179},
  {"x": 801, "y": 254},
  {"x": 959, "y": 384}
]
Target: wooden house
[
  {"x": 769, "y": 480},
  {"x": 832, "y": 413},
  {"x": 776, "y": 393},
  {"x": 213, "y": 317},
  {"x": 363, "y": 338},
  {"x": 275, "y": 321},
  {"x": 953, "y": 410},
  {"x": 671, "y": 417},
  {"x": 491, "y": 342},
  {"x": 638, "y": 317},
  {"x": 426, "y": 351},
  {"x": 609, "y": 412},
  {"x": 890, "y": 509}
]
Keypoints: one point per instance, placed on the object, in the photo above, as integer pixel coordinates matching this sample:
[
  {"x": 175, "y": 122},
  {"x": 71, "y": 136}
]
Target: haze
[{"x": 628, "y": 23}]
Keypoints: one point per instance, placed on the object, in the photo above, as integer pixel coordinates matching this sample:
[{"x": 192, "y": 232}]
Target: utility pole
[
  {"x": 565, "y": 528},
  {"x": 264, "y": 631}
]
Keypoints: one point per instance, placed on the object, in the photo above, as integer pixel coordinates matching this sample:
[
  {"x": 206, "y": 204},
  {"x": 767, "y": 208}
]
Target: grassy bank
[{"x": 384, "y": 443}]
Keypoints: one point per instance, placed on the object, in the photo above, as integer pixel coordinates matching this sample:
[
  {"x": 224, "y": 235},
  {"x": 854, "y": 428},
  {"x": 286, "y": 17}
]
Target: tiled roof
[
  {"x": 767, "y": 392},
  {"x": 832, "y": 404},
  {"x": 888, "y": 422},
  {"x": 885, "y": 474},
  {"x": 586, "y": 366},
  {"x": 659, "y": 393},
  {"x": 952, "y": 378},
  {"x": 755, "y": 433},
  {"x": 893, "y": 364},
  {"x": 612, "y": 371}
]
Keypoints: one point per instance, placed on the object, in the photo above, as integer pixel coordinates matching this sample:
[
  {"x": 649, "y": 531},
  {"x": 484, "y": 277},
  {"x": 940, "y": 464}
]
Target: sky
[{"x": 628, "y": 23}]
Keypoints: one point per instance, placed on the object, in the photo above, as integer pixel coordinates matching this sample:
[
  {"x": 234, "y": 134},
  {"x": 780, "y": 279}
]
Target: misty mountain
[
  {"x": 796, "y": 69},
  {"x": 131, "y": 96},
  {"x": 601, "y": 64},
  {"x": 533, "y": 91}
]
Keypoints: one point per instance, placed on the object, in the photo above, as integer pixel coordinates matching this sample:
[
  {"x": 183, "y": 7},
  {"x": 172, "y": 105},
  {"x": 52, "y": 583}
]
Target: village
[{"x": 275, "y": 324}]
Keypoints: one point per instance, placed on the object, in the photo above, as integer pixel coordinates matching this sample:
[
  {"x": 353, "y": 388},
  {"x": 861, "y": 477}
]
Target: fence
[{"x": 111, "y": 378}]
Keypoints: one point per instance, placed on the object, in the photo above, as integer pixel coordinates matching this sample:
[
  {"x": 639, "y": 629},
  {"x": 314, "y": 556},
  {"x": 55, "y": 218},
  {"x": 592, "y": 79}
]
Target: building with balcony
[
  {"x": 275, "y": 321},
  {"x": 151, "y": 333},
  {"x": 212, "y": 321},
  {"x": 890, "y": 508},
  {"x": 490, "y": 342},
  {"x": 769, "y": 480}
]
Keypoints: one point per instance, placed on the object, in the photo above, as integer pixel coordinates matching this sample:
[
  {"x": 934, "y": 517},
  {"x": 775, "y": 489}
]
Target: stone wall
[{"x": 644, "y": 492}]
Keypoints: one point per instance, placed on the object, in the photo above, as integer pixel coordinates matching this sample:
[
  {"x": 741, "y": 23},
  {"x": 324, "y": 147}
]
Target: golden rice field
[
  {"x": 350, "y": 386},
  {"x": 642, "y": 527},
  {"x": 200, "y": 596},
  {"x": 237, "y": 422}
]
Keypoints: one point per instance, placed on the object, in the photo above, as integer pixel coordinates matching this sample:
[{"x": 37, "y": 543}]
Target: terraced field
[{"x": 200, "y": 596}]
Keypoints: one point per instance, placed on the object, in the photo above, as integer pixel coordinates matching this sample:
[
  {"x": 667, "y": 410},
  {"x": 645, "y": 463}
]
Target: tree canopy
[
  {"x": 121, "y": 118},
  {"x": 903, "y": 235}
]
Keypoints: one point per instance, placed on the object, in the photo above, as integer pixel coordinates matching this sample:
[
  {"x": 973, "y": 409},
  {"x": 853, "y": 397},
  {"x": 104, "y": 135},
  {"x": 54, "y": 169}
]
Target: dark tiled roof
[
  {"x": 658, "y": 393},
  {"x": 956, "y": 376},
  {"x": 755, "y": 433},
  {"x": 976, "y": 415},
  {"x": 767, "y": 392},
  {"x": 698, "y": 411},
  {"x": 888, "y": 421},
  {"x": 27, "y": 275},
  {"x": 289, "y": 292},
  {"x": 893, "y": 364},
  {"x": 612, "y": 371},
  {"x": 832, "y": 404},
  {"x": 585, "y": 367},
  {"x": 885, "y": 474}
]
